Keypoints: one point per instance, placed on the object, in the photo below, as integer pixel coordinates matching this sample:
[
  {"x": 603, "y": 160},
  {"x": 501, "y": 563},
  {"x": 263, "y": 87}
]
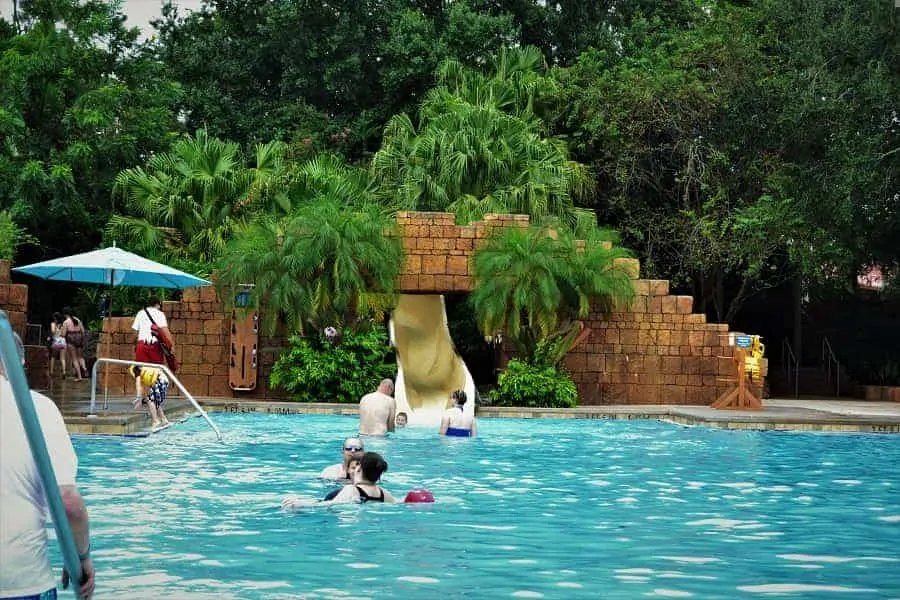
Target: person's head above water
[
  {"x": 386, "y": 387},
  {"x": 352, "y": 448},
  {"x": 459, "y": 397},
  {"x": 401, "y": 419},
  {"x": 372, "y": 466},
  {"x": 352, "y": 469}
]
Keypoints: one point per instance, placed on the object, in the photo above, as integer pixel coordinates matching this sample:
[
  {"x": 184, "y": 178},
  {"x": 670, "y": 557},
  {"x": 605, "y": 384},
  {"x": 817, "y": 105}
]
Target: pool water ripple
[{"x": 531, "y": 509}]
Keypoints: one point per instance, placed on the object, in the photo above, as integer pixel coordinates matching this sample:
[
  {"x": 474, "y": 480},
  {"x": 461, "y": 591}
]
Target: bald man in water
[{"x": 378, "y": 410}]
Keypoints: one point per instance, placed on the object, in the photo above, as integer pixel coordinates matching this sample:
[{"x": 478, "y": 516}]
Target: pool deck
[{"x": 116, "y": 416}]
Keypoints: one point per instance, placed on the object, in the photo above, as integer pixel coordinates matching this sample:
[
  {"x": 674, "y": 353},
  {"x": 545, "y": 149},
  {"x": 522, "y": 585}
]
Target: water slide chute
[{"x": 428, "y": 367}]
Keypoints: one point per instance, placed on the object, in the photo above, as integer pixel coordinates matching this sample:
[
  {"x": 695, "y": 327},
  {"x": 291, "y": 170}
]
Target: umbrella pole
[{"x": 108, "y": 341}]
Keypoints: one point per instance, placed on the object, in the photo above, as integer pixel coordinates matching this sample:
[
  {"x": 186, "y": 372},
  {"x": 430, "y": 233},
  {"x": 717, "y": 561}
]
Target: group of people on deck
[{"x": 360, "y": 471}]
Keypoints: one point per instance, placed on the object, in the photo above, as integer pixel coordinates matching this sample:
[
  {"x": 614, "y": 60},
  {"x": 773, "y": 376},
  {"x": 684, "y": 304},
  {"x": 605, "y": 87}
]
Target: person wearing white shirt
[
  {"x": 25, "y": 570},
  {"x": 148, "y": 349}
]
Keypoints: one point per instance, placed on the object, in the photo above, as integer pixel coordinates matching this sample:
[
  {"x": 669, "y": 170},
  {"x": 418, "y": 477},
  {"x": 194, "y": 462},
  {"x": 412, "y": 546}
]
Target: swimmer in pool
[
  {"x": 455, "y": 422},
  {"x": 353, "y": 448},
  {"x": 401, "y": 420},
  {"x": 365, "y": 486},
  {"x": 352, "y": 471}
]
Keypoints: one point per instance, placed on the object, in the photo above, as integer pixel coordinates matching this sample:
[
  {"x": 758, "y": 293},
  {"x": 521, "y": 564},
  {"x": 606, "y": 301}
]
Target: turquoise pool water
[{"x": 533, "y": 508}]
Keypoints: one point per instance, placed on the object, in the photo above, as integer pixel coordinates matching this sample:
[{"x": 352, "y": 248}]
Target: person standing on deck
[
  {"x": 25, "y": 570},
  {"x": 148, "y": 349}
]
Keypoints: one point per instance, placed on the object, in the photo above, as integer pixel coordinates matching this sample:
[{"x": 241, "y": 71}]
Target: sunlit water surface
[{"x": 531, "y": 509}]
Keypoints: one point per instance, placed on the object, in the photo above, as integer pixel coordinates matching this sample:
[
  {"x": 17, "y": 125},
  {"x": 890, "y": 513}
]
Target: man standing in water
[{"x": 378, "y": 410}]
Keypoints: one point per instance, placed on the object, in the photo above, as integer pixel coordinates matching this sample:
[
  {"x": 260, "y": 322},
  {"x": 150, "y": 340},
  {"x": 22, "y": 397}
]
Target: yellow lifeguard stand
[{"x": 741, "y": 398}]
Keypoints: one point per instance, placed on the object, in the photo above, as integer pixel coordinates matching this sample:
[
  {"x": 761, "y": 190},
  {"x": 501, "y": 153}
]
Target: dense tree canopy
[
  {"x": 80, "y": 100},
  {"x": 734, "y": 145}
]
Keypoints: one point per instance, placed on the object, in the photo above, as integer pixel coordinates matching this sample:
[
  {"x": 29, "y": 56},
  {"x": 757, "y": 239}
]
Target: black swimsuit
[{"x": 364, "y": 497}]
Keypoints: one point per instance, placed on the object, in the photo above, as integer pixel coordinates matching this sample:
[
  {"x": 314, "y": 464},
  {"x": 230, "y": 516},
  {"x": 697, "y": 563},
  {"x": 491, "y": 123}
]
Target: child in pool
[{"x": 157, "y": 385}]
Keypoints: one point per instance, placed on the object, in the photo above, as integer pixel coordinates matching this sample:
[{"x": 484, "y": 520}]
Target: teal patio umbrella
[{"x": 112, "y": 266}]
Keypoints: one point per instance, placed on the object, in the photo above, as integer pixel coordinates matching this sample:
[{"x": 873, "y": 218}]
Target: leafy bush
[
  {"x": 522, "y": 384},
  {"x": 12, "y": 236},
  {"x": 315, "y": 370}
]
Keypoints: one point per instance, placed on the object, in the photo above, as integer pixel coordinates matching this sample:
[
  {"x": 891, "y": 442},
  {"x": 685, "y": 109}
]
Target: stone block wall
[
  {"x": 13, "y": 299},
  {"x": 656, "y": 352},
  {"x": 439, "y": 253},
  {"x": 202, "y": 333}
]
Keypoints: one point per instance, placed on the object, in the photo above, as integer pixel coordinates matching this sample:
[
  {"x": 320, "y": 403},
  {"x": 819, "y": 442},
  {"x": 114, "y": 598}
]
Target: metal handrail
[
  {"x": 168, "y": 373},
  {"x": 828, "y": 359},
  {"x": 792, "y": 361},
  {"x": 18, "y": 381}
]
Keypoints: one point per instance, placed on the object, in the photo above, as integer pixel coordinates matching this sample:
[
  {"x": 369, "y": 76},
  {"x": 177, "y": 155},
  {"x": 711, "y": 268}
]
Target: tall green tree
[
  {"x": 534, "y": 285},
  {"x": 80, "y": 100},
  {"x": 480, "y": 147},
  {"x": 186, "y": 203},
  {"x": 332, "y": 73},
  {"x": 332, "y": 260}
]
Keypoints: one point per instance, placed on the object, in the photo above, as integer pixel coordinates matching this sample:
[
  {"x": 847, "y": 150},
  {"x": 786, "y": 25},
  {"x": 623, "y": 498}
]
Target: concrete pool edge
[{"x": 799, "y": 417}]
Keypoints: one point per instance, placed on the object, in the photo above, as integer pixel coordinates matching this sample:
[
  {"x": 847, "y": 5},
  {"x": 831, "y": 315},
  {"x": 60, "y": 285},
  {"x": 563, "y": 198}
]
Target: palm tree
[
  {"x": 185, "y": 204},
  {"x": 480, "y": 147},
  {"x": 333, "y": 260},
  {"x": 533, "y": 285}
]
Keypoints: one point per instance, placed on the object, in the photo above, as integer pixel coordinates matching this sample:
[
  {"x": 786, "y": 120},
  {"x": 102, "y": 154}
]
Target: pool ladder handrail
[
  {"x": 791, "y": 366},
  {"x": 165, "y": 369},
  {"x": 18, "y": 381},
  {"x": 831, "y": 365}
]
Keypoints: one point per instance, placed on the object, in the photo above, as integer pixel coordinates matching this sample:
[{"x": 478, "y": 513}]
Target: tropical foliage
[
  {"x": 187, "y": 202},
  {"x": 533, "y": 285},
  {"x": 12, "y": 236},
  {"x": 734, "y": 145},
  {"x": 524, "y": 384},
  {"x": 318, "y": 266},
  {"x": 480, "y": 147},
  {"x": 313, "y": 369},
  {"x": 80, "y": 100}
]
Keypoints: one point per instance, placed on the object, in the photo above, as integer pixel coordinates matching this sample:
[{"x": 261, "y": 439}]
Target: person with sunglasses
[{"x": 352, "y": 449}]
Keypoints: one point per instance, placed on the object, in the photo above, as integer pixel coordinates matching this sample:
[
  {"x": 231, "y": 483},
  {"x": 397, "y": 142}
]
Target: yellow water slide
[{"x": 428, "y": 367}]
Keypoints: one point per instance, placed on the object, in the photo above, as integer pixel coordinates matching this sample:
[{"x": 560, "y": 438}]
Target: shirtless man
[
  {"x": 378, "y": 410},
  {"x": 352, "y": 449}
]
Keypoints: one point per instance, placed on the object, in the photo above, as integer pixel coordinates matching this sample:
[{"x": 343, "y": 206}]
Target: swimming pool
[{"x": 533, "y": 508}]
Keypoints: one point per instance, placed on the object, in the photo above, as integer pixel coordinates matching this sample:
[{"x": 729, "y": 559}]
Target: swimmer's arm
[
  {"x": 294, "y": 502},
  {"x": 348, "y": 495},
  {"x": 389, "y": 497},
  {"x": 392, "y": 418},
  {"x": 138, "y": 387},
  {"x": 445, "y": 423}
]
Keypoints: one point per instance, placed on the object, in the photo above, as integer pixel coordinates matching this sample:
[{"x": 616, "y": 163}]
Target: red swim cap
[{"x": 419, "y": 496}]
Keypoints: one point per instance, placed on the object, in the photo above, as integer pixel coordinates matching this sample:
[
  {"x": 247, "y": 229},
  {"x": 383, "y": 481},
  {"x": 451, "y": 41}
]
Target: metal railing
[
  {"x": 831, "y": 365},
  {"x": 791, "y": 365},
  {"x": 165, "y": 369}
]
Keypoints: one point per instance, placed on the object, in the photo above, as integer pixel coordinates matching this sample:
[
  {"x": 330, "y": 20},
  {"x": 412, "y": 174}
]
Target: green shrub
[
  {"x": 12, "y": 236},
  {"x": 314, "y": 370},
  {"x": 522, "y": 384}
]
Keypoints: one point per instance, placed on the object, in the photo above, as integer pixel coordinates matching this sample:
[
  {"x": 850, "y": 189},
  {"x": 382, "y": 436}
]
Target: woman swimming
[{"x": 456, "y": 422}]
